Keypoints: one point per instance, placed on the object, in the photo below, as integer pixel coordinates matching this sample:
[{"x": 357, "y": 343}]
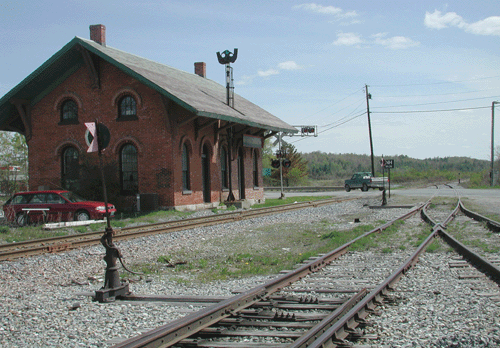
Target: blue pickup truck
[{"x": 365, "y": 181}]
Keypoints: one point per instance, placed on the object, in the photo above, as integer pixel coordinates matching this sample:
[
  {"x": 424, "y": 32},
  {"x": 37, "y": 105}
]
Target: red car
[{"x": 53, "y": 206}]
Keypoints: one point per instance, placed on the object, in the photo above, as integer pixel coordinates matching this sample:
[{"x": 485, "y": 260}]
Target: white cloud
[
  {"x": 487, "y": 26},
  {"x": 350, "y": 14},
  {"x": 245, "y": 80},
  {"x": 437, "y": 21},
  {"x": 268, "y": 72},
  {"x": 348, "y": 39},
  {"x": 289, "y": 65},
  {"x": 395, "y": 42},
  {"x": 326, "y": 10},
  {"x": 319, "y": 8}
]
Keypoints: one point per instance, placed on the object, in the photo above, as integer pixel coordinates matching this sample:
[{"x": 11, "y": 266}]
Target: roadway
[{"x": 489, "y": 198}]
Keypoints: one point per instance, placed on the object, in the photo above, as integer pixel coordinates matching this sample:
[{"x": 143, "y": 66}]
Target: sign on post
[
  {"x": 389, "y": 163},
  {"x": 97, "y": 136},
  {"x": 90, "y": 137}
]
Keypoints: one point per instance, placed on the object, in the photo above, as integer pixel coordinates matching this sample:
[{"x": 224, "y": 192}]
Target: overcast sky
[{"x": 432, "y": 68}]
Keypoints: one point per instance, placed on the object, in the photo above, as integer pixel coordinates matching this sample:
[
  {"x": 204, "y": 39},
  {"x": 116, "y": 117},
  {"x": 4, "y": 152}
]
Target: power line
[
  {"x": 357, "y": 107},
  {"x": 422, "y": 111},
  {"x": 329, "y": 106},
  {"x": 451, "y": 101},
  {"x": 337, "y": 125},
  {"x": 437, "y": 83},
  {"x": 434, "y": 94}
]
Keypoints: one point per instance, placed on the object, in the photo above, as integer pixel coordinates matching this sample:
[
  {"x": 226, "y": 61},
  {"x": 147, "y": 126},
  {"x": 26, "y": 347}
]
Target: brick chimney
[
  {"x": 200, "y": 68},
  {"x": 98, "y": 34}
]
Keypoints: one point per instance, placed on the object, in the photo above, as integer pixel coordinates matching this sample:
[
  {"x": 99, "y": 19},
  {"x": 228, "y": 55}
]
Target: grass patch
[
  {"x": 289, "y": 200},
  {"x": 482, "y": 245},
  {"x": 20, "y": 234},
  {"x": 280, "y": 247},
  {"x": 433, "y": 247},
  {"x": 80, "y": 229},
  {"x": 462, "y": 233},
  {"x": 12, "y": 233},
  {"x": 420, "y": 237},
  {"x": 163, "y": 259}
]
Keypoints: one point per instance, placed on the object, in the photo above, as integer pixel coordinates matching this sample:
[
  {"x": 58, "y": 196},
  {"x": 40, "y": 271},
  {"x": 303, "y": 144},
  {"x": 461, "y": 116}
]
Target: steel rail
[
  {"x": 491, "y": 224},
  {"x": 340, "y": 330},
  {"x": 64, "y": 243},
  {"x": 169, "y": 334},
  {"x": 425, "y": 216},
  {"x": 479, "y": 262}
]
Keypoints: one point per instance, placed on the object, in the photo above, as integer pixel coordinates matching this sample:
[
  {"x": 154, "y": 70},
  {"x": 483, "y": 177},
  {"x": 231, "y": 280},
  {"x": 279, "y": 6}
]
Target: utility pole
[
  {"x": 368, "y": 97},
  {"x": 492, "y": 141},
  {"x": 282, "y": 196}
]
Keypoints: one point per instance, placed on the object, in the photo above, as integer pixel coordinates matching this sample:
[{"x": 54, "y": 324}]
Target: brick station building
[{"x": 174, "y": 141}]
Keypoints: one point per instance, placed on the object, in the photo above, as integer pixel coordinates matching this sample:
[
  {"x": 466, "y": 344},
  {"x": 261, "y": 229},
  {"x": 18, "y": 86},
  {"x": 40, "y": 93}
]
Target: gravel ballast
[{"x": 40, "y": 305}]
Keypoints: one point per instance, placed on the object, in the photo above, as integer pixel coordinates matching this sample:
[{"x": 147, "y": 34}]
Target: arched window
[
  {"x": 70, "y": 169},
  {"x": 128, "y": 169},
  {"x": 69, "y": 112},
  {"x": 186, "y": 182},
  {"x": 224, "y": 167},
  {"x": 127, "y": 108},
  {"x": 255, "y": 168}
]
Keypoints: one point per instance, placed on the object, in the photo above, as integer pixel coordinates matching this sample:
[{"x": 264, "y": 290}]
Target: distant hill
[{"x": 337, "y": 167}]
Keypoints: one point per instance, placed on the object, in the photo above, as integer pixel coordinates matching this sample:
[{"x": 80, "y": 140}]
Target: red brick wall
[{"x": 155, "y": 134}]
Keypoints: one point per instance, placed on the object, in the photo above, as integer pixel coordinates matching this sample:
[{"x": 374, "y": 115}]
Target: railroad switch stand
[
  {"x": 384, "y": 198},
  {"x": 113, "y": 288}
]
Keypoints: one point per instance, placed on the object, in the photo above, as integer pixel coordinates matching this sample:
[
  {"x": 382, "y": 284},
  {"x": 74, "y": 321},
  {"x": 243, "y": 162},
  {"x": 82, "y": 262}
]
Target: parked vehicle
[
  {"x": 365, "y": 181},
  {"x": 53, "y": 206}
]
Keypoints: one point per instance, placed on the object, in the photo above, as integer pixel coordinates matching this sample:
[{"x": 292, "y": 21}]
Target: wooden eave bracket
[
  {"x": 207, "y": 124},
  {"x": 242, "y": 131},
  {"x": 24, "y": 109},
  {"x": 182, "y": 123},
  {"x": 229, "y": 124},
  {"x": 270, "y": 135},
  {"x": 200, "y": 127},
  {"x": 259, "y": 133},
  {"x": 91, "y": 68}
]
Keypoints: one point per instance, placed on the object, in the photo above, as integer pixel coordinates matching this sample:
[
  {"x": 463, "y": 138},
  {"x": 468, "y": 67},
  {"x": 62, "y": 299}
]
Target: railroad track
[
  {"x": 258, "y": 305},
  {"x": 57, "y": 244},
  {"x": 288, "y": 312}
]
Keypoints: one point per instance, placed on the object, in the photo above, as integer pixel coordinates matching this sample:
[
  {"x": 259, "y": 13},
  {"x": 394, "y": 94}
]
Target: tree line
[{"x": 334, "y": 166}]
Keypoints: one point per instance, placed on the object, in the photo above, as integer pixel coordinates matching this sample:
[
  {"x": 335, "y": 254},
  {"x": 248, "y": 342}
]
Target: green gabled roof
[{"x": 201, "y": 96}]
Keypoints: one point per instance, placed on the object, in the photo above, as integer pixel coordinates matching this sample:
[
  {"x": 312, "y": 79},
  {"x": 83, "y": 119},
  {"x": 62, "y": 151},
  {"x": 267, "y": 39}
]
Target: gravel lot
[{"x": 40, "y": 304}]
